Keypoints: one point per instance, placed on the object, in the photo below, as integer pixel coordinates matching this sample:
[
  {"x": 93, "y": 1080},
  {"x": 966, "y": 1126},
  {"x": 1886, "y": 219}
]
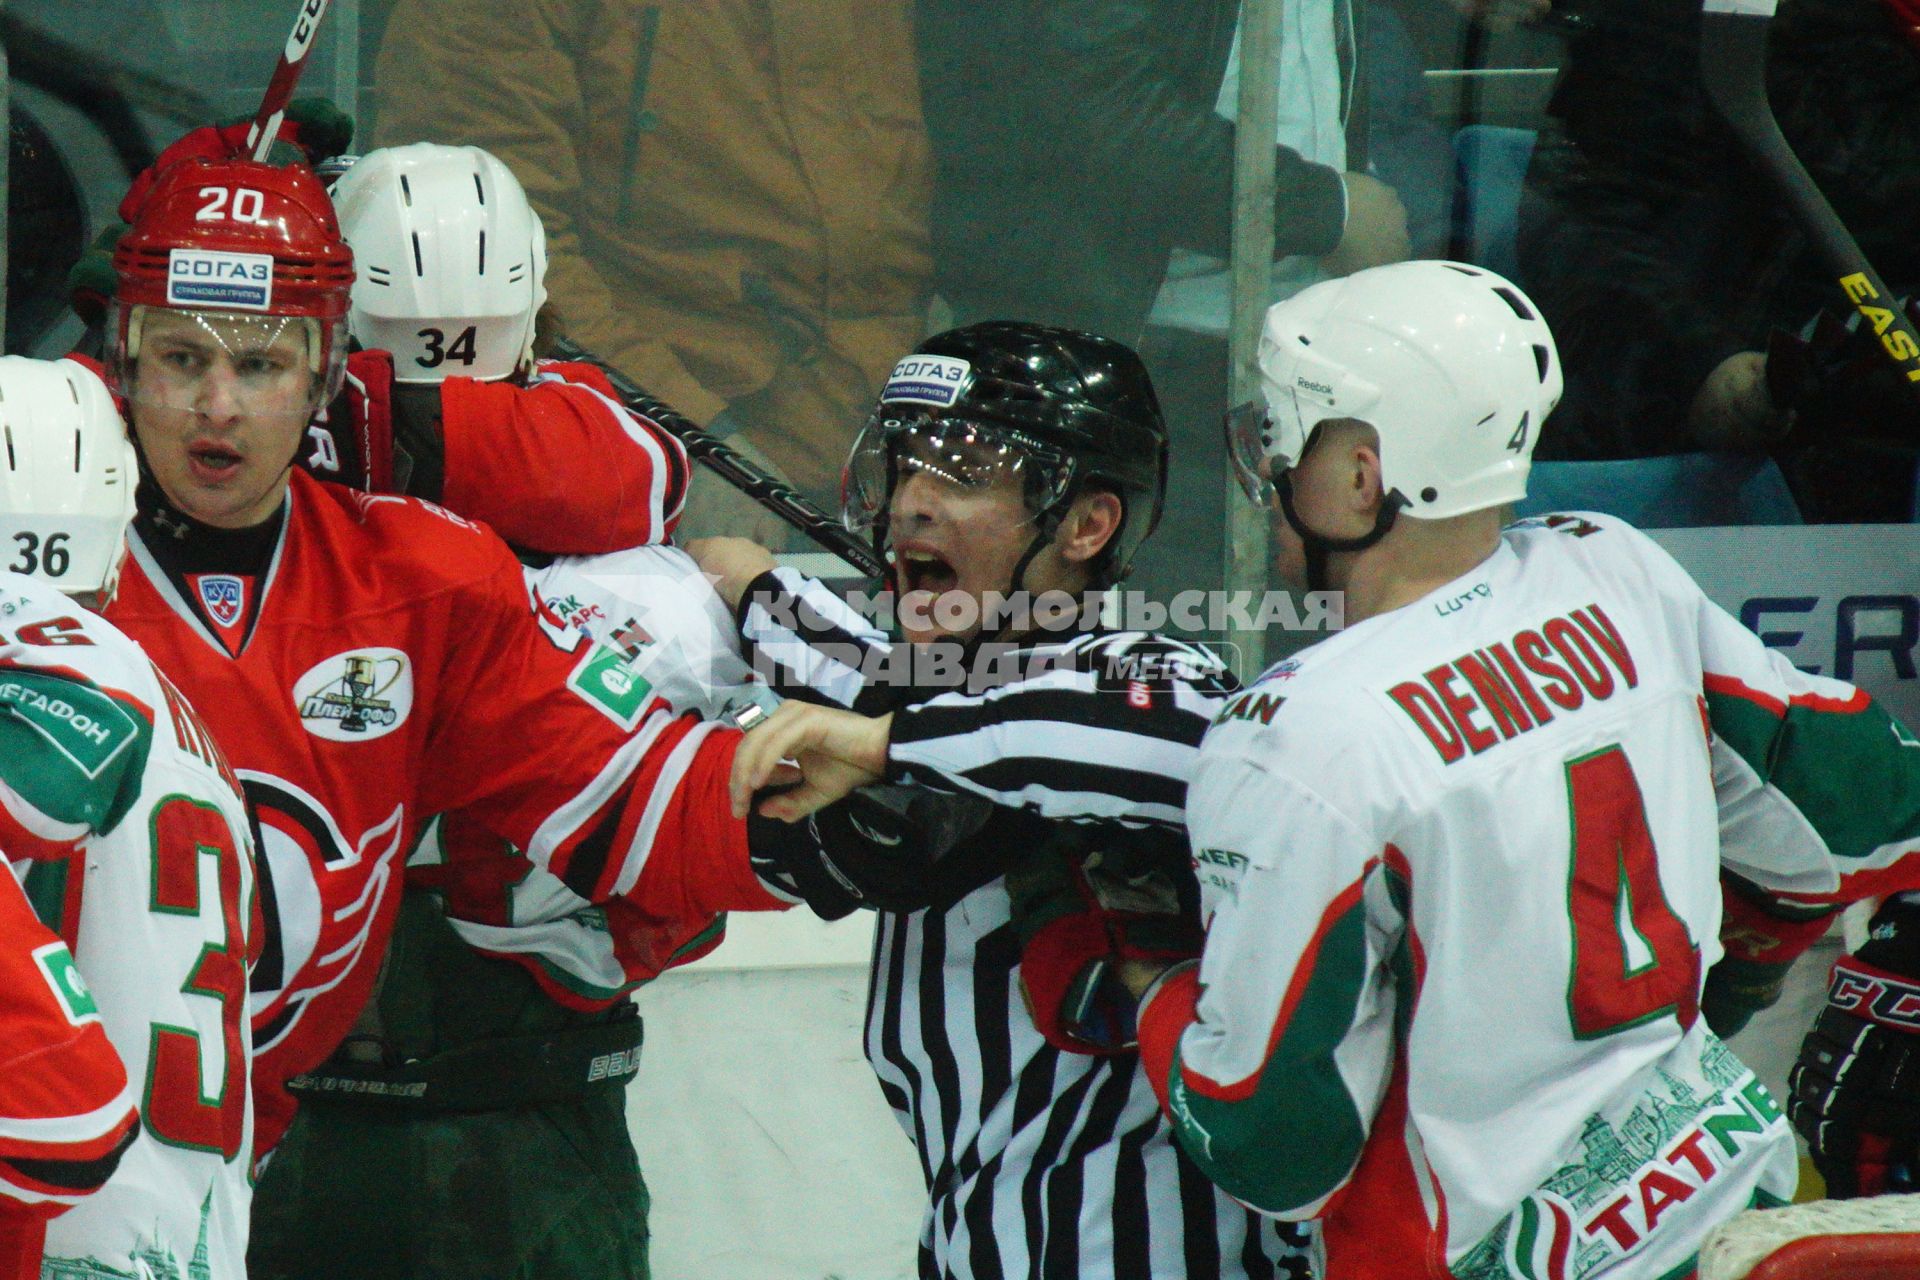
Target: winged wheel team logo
[{"x": 355, "y": 696}]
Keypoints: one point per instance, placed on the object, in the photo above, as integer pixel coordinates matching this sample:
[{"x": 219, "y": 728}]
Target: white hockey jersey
[
  {"x": 652, "y": 607},
  {"x": 143, "y": 862},
  {"x": 1462, "y": 867}
]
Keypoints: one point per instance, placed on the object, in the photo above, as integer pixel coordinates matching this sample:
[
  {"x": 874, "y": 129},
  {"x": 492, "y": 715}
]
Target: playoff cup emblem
[{"x": 355, "y": 696}]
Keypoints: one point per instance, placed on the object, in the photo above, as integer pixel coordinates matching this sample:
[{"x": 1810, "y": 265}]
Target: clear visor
[
  {"x": 1248, "y": 429},
  {"x": 223, "y": 363},
  {"x": 968, "y": 457}
]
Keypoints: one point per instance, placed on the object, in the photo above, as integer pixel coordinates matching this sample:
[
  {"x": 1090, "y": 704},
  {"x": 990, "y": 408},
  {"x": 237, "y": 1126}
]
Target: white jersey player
[
  {"x": 133, "y": 840},
  {"x": 1463, "y": 862}
]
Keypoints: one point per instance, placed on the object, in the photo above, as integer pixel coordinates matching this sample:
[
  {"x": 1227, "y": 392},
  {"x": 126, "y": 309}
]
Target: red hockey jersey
[
  {"x": 557, "y": 464},
  {"x": 64, "y": 1099},
  {"x": 394, "y": 671}
]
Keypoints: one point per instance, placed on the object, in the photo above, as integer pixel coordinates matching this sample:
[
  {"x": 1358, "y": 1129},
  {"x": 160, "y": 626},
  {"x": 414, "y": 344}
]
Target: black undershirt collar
[{"x": 182, "y": 545}]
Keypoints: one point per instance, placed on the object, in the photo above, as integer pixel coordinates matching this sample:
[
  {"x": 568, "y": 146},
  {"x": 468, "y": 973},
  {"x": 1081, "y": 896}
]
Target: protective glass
[
  {"x": 1247, "y": 429},
  {"x": 221, "y": 362},
  {"x": 969, "y": 456}
]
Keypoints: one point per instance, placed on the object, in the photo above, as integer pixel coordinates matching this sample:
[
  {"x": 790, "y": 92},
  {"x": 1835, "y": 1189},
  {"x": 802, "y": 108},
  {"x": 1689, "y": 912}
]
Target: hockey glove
[
  {"x": 312, "y": 130},
  {"x": 1854, "y": 1095},
  {"x": 878, "y": 847},
  {"x": 1834, "y": 381},
  {"x": 1761, "y": 940},
  {"x": 1082, "y": 908},
  {"x": 90, "y": 281}
]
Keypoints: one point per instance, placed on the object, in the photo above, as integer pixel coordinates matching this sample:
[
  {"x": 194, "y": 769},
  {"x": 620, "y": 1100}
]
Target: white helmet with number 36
[
  {"x": 452, "y": 261},
  {"x": 67, "y": 476},
  {"x": 1450, "y": 364}
]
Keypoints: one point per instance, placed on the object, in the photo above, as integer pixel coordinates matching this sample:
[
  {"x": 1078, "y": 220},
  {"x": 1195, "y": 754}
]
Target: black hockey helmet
[{"x": 1077, "y": 409}]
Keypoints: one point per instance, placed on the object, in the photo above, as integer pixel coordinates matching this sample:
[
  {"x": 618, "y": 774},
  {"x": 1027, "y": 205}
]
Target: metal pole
[
  {"x": 1254, "y": 163},
  {"x": 346, "y": 60},
  {"x": 6, "y": 175}
]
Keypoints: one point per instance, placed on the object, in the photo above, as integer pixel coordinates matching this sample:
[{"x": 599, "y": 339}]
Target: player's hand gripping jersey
[
  {"x": 1462, "y": 864},
  {"x": 141, "y": 859},
  {"x": 556, "y": 464},
  {"x": 391, "y": 671}
]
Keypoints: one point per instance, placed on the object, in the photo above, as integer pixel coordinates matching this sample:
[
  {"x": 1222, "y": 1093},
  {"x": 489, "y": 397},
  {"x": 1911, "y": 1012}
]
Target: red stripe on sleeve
[{"x": 1172, "y": 1007}]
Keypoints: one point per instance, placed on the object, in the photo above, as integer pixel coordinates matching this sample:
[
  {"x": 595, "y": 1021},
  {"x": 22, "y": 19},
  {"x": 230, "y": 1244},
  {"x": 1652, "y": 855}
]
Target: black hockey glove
[
  {"x": 1854, "y": 1095},
  {"x": 877, "y": 848}
]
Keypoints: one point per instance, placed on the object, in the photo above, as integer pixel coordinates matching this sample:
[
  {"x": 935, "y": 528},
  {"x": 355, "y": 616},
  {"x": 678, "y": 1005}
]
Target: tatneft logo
[
  {"x": 356, "y": 696},
  {"x": 934, "y": 380},
  {"x": 208, "y": 277}
]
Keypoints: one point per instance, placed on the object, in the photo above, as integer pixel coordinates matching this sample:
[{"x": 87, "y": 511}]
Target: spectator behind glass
[
  {"x": 735, "y": 196},
  {"x": 1663, "y": 258},
  {"x": 1080, "y": 145},
  {"x": 1078, "y": 142}
]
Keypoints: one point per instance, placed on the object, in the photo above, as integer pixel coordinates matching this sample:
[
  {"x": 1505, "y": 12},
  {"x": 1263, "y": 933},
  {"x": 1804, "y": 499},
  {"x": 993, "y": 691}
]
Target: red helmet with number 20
[{"x": 238, "y": 238}]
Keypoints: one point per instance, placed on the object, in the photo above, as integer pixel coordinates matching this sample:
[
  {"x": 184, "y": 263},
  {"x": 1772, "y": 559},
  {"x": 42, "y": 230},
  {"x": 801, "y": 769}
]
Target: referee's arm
[{"x": 1110, "y": 732}]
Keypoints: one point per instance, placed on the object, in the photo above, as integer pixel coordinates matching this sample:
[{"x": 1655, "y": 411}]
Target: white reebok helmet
[
  {"x": 67, "y": 475},
  {"x": 1451, "y": 365},
  {"x": 452, "y": 261}
]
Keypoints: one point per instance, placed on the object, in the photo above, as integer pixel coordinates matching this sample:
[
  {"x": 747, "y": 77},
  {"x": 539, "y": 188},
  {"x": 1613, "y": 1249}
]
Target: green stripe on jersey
[
  {"x": 70, "y": 749},
  {"x": 1833, "y": 765},
  {"x": 1298, "y": 1134}
]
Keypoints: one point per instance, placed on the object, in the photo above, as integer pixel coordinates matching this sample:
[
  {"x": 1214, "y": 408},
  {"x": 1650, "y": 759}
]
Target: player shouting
[{"x": 1005, "y": 461}]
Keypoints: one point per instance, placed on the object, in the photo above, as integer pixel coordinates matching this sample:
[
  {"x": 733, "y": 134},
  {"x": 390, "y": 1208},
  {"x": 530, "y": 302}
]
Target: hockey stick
[
  {"x": 1733, "y": 66},
  {"x": 286, "y": 74},
  {"x": 775, "y": 495}
]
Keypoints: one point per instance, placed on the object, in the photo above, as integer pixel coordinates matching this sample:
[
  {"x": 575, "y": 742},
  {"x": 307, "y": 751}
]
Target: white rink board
[
  {"x": 769, "y": 1151},
  {"x": 1838, "y": 600}
]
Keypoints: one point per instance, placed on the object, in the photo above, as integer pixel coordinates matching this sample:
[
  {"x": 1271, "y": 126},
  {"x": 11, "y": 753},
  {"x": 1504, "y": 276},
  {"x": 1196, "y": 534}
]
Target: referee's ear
[{"x": 1092, "y": 521}]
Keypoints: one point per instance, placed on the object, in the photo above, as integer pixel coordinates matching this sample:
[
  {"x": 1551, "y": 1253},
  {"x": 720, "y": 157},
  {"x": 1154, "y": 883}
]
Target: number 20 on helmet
[{"x": 242, "y": 241}]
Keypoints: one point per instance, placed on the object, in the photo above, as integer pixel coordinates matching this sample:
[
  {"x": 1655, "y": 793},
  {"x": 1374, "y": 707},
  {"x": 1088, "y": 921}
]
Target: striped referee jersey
[{"x": 1039, "y": 1164}]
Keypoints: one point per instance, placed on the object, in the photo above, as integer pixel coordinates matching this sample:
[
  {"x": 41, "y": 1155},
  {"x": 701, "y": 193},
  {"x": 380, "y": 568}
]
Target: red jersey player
[
  {"x": 457, "y": 411},
  {"x": 452, "y": 274},
  {"x": 66, "y": 1114},
  {"x": 366, "y": 661}
]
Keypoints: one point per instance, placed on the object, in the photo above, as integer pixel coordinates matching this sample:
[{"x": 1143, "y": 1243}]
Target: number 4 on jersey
[{"x": 1633, "y": 959}]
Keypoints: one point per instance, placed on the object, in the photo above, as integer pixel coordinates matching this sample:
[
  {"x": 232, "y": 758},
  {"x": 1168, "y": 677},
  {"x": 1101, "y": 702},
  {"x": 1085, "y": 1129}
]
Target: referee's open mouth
[{"x": 922, "y": 569}]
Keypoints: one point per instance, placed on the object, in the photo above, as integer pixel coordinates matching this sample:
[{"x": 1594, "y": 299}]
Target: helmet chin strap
[
  {"x": 1320, "y": 547},
  {"x": 1046, "y": 525}
]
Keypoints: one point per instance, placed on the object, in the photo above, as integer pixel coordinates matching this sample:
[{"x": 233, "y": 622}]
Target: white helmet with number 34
[
  {"x": 452, "y": 261},
  {"x": 67, "y": 476},
  {"x": 1450, "y": 364}
]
